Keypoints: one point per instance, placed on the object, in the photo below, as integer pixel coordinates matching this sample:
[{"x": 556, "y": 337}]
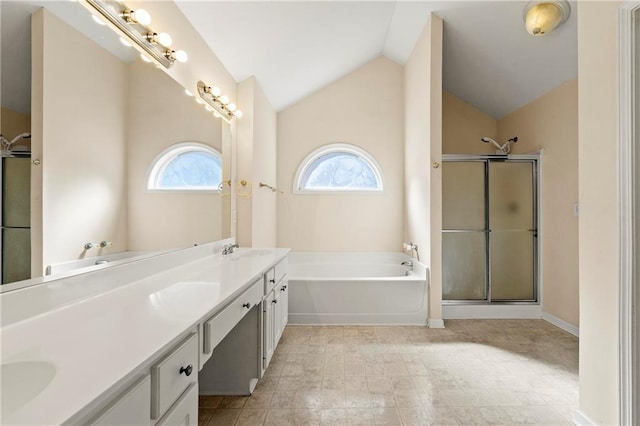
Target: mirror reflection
[{"x": 84, "y": 121}]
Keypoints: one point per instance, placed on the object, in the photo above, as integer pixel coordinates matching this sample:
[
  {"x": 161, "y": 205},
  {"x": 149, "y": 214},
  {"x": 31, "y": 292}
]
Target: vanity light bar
[
  {"x": 133, "y": 25},
  {"x": 219, "y": 102}
]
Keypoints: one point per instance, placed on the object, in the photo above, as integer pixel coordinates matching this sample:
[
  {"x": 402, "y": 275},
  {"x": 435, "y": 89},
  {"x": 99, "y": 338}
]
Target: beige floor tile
[
  {"x": 251, "y": 417},
  {"x": 224, "y": 417},
  {"x": 280, "y": 417},
  {"x": 473, "y": 372}
]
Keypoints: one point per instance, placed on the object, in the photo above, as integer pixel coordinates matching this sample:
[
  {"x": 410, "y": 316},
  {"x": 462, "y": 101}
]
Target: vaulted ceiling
[{"x": 294, "y": 48}]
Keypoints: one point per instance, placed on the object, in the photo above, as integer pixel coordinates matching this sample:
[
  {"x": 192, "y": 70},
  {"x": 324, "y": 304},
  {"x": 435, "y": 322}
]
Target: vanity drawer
[
  {"x": 281, "y": 269},
  {"x": 131, "y": 408},
  {"x": 220, "y": 325},
  {"x": 185, "y": 411},
  {"x": 274, "y": 275},
  {"x": 173, "y": 374}
]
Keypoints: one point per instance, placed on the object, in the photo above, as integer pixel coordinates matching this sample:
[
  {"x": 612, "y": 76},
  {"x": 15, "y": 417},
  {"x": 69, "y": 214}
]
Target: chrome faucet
[
  {"x": 228, "y": 249},
  {"x": 408, "y": 263}
]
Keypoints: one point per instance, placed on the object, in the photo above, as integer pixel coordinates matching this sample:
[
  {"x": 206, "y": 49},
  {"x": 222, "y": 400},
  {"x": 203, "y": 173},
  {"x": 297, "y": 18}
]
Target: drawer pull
[
  {"x": 272, "y": 280},
  {"x": 274, "y": 301},
  {"x": 283, "y": 288},
  {"x": 246, "y": 305},
  {"x": 186, "y": 371}
]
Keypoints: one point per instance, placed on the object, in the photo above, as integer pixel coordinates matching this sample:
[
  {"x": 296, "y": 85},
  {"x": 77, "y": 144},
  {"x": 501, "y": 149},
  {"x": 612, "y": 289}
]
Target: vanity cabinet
[
  {"x": 166, "y": 395},
  {"x": 275, "y": 309}
]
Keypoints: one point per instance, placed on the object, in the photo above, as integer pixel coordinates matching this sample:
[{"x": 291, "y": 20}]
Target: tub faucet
[
  {"x": 228, "y": 249},
  {"x": 408, "y": 263}
]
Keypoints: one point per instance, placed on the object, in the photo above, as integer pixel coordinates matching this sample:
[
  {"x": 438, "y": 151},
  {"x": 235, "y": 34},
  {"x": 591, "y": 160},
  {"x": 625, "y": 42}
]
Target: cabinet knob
[
  {"x": 283, "y": 288},
  {"x": 274, "y": 301},
  {"x": 186, "y": 370},
  {"x": 246, "y": 305},
  {"x": 272, "y": 280}
]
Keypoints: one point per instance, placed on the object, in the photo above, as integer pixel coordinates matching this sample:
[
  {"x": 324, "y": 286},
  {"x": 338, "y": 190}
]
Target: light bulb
[
  {"x": 232, "y": 107},
  {"x": 224, "y": 99},
  {"x": 200, "y": 101},
  {"x": 98, "y": 20},
  {"x": 187, "y": 92},
  {"x": 209, "y": 108},
  {"x": 215, "y": 91},
  {"x": 141, "y": 16},
  {"x": 145, "y": 58},
  {"x": 125, "y": 42},
  {"x": 237, "y": 113},
  {"x": 216, "y": 115},
  {"x": 164, "y": 39},
  {"x": 181, "y": 56}
]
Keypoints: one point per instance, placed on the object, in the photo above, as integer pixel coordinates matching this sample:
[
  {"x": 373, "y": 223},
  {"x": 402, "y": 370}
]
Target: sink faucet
[
  {"x": 408, "y": 263},
  {"x": 228, "y": 249}
]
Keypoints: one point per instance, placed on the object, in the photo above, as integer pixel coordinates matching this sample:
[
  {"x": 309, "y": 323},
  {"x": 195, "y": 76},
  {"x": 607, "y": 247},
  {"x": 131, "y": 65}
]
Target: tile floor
[{"x": 473, "y": 372}]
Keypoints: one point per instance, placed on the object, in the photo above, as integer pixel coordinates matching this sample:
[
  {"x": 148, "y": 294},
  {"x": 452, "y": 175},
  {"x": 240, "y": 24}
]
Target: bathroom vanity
[{"x": 137, "y": 343}]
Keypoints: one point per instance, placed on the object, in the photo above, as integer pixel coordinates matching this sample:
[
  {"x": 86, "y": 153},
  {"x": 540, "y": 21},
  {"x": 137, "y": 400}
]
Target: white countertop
[{"x": 85, "y": 347}]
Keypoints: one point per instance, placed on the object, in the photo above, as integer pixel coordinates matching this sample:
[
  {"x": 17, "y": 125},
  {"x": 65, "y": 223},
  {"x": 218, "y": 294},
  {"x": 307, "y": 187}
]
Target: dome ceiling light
[{"x": 541, "y": 17}]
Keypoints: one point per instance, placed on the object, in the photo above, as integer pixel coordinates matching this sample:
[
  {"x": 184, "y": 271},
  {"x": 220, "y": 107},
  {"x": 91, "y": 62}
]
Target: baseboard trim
[
  {"x": 581, "y": 419},
  {"x": 560, "y": 323},
  {"x": 435, "y": 323},
  {"x": 491, "y": 311}
]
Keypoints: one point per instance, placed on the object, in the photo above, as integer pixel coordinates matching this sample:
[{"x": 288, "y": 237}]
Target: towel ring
[{"x": 243, "y": 188}]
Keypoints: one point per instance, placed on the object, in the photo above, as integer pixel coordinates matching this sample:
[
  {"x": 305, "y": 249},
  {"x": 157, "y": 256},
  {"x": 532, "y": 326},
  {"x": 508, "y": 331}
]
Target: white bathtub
[{"x": 356, "y": 288}]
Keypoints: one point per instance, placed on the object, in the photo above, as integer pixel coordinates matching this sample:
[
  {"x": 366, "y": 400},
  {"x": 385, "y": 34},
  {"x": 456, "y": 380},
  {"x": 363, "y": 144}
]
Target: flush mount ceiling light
[
  {"x": 133, "y": 26},
  {"x": 542, "y": 16}
]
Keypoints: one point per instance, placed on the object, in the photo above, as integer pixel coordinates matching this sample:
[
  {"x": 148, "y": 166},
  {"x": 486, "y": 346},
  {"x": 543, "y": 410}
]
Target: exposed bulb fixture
[
  {"x": 139, "y": 16},
  {"x": 220, "y": 104},
  {"x": 165, "y": 39},
  {"x": 133, "y": 26},
  {"x": 542, "y": 16},
  {"x": 176, "y": 55}
]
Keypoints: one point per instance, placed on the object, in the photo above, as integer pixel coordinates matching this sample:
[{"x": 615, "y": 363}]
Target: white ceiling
[{"x": 294, "y": 48}]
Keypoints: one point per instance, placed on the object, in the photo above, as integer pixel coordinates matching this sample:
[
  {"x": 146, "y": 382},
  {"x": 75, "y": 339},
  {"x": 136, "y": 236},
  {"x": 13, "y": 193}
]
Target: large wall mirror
[{"x": 76, "y": 191}]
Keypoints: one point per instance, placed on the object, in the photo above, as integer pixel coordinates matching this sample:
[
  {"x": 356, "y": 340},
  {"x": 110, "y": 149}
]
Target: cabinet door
[
  {"x": 185, "y": 411},
  {"x": 268, "y": 328},
  {"x": 284, "y": 305}
]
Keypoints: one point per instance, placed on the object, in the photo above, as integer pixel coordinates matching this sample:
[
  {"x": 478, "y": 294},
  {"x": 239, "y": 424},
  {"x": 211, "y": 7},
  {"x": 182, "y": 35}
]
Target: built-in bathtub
[{"x": 356, "y": 288}]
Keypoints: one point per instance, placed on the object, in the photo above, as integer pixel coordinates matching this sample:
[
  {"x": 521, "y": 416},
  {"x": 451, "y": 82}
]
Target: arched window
[
  {"x": 189, "y": 166},
  {"x": 338, "y": 167}
]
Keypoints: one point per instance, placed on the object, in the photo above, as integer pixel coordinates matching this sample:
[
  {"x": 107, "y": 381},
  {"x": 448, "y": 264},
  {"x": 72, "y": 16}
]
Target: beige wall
[
  {"x": 13, "y": 123},
  {"x": 598, "y": 228},
  {"x": 364, "y": 108},
  {"x": 256, "y": 163},
  {"x": 79, "y": 135},
  {"x": 551, "y": 123},
  {"x": 159, "y": 115},
  {"x": 423, "y": 147},
  {"x": 463, "y": 125}
]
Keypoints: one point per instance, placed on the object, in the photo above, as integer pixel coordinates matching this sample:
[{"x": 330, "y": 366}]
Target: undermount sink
[{"x": 21, "y": 382}]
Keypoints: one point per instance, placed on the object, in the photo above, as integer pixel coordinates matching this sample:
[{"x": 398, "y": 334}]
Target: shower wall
[{"x": 549, "y": 123}]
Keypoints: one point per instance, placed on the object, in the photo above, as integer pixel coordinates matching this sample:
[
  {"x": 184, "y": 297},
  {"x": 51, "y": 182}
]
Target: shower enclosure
[{"x": 490, "y": 229}]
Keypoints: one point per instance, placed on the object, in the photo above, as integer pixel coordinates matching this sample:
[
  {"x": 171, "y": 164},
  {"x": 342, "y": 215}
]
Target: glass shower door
[
  {"x": 512, "y": 222},
  {"x": 464, "y": 231}
]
